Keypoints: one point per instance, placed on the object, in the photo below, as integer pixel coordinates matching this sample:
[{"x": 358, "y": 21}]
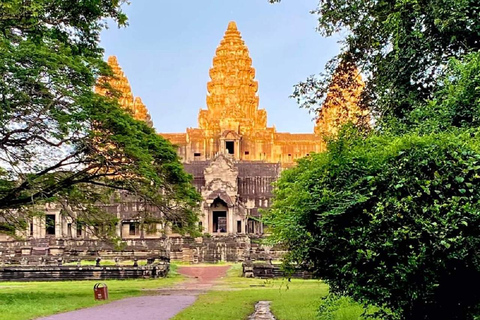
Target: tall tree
[
  {"x": 401, "y": 46},
  {"x": 59, "y": 141}
]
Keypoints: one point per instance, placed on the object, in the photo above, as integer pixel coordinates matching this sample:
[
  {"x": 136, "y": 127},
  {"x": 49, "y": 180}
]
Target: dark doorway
[
  {"x": 219, "y": 221},
  {"x": 79, "y": 228},
  {"x": 50, "y": 224},
  {"x": 230, "y": 146},
  {"x": 251, "y": 226},
  {"x": 239, "y": 226}
]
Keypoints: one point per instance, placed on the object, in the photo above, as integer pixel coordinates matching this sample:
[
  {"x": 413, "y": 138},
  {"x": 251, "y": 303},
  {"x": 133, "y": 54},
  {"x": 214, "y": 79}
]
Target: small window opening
[
  {"x": 132, "y": 229},
  {"x": 50, "y": 224},
  {"x": 31, "y": 228},
  {"x": 239, "y": 226},
  {"x": 197, "y": 154},
  {"x": 247, "y": 153},
  {"x": 69, "y": 230},
  {"x": 79, "y": 229},
  {"x": 230, "y": 146}
]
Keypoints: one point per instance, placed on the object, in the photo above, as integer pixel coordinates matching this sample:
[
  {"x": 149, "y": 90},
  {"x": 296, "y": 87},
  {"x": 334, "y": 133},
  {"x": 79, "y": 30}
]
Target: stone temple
[{"x": 233, "y": 156}]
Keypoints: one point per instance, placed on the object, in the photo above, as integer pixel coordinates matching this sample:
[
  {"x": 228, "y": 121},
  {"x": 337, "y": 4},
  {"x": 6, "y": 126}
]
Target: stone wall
[
  {"x": 30, "y": 252},
  {"x": 207, "y": 249},
  {"x": 60, "y": 273},
  {"x": 265, "y": 270},
  {"x": 210, "y": 249}
]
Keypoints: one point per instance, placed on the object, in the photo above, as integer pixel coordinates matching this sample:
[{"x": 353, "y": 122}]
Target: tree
[
  {"x": 392, "y": 219},
  {"x": 59, "y": 141},
  {"x": 389, "y": 222},
  {"x": 402, "y": 48}
]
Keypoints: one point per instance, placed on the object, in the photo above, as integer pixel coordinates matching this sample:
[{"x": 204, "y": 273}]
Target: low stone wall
[
  {"x": 60, "y": 273},
  {"x": 207, "y": 249},
  {"x": 38, "y": 251},
  {"x": 210, "y": 249},
  {"x": 267, "y": 270}
]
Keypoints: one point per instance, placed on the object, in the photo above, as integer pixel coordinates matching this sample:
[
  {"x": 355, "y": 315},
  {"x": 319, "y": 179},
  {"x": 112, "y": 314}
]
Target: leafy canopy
[
  {"x": 59, "y": 141},
  {"x": 392, "y": 219},
  {"x": 393, "y": 222},
  {"x": 400, "y": 46}
]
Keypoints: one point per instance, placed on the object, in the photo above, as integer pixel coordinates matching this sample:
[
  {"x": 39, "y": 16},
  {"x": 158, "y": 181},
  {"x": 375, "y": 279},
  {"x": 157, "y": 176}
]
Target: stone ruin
[{"x": 60, "y": 259}]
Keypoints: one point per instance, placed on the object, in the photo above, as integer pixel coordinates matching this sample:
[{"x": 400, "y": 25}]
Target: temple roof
[
  {"x": 119, "y": 82},
  {"x": 232, "y": 99},
  {"x": 232, "y": 25}
]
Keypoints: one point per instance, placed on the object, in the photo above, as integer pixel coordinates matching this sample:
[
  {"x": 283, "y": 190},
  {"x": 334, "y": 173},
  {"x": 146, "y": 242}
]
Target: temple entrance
[
  {"x": 230, "y": 146},
  {"x": 219, "y": 221}
]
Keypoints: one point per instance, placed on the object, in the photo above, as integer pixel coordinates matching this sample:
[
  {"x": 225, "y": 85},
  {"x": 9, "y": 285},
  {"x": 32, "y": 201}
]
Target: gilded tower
[
  {"x": 232, "y": 100},
  {"x": 232, "y": 122},
  {"x": 119, "y": 83},
  {"x": 342, "y": 102}
]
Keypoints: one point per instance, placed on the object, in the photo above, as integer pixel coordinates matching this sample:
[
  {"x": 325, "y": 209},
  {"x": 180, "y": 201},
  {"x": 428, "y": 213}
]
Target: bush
[
  {"x": 389, "y": 221},
  {"x": 334, "y": 307}
]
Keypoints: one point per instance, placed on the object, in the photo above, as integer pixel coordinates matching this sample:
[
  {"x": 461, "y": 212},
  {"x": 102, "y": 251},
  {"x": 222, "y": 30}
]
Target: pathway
[{"x": 163, "y": 304}]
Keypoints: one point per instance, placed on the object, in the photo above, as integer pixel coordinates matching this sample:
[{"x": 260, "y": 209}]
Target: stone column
[{"x": 230, "y": 216}]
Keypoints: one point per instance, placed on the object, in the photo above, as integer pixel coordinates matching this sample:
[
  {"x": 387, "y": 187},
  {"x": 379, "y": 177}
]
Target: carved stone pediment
[
  {"x": 221, "y": 176},
  {"x": 230, "y": 135},
  {"x": 222, "y": 195}
]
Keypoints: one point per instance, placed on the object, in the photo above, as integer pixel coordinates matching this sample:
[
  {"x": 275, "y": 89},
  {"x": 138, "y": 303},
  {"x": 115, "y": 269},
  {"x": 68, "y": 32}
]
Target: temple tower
[
  {"x": 232, "y": 100},
  {"x": 119, "y": 83},
  {"x": 342, "y": 102}
]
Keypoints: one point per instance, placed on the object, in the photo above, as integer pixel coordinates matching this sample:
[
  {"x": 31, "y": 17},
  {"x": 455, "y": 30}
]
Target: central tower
[{"x": 232, "y": 100}]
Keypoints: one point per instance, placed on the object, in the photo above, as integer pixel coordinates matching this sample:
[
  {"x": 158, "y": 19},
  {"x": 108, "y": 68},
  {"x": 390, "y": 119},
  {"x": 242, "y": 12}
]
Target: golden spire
[
  {"x": 119, "y": 83},
  {"x": 232, "y": 100},
  {"x": 342, "y": 102},
  {"x": 141, "y": 112}
]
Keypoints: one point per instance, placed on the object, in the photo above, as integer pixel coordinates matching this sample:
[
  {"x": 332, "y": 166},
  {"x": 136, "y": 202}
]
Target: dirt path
[{"x": 162, "y": 304}]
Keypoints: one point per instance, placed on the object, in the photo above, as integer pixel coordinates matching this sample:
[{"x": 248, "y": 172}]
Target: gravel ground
[{"x": 161, "y": 305}]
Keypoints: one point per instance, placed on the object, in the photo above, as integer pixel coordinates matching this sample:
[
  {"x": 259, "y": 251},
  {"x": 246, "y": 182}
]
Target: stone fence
[
  {"x": 36, "y": 251},
  {"x": 59, "y": 273},
  {"x": 206, "y": 249},
  {"x": 265, "y": 270}
]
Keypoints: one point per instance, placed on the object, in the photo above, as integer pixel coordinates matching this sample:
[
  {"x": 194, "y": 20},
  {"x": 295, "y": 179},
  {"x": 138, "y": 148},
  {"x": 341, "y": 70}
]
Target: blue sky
[{"x": 167, "y": 51}]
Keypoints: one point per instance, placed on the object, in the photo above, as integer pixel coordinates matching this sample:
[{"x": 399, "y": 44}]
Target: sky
[{"x": 167, "y": 50}]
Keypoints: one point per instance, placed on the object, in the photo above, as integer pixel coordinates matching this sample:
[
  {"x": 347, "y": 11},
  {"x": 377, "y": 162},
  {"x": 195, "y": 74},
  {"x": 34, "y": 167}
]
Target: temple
[
  {"x": 233, "y": 155},
  {"x": 118, "y": 85},
  {"x": 232, "y": 123}
]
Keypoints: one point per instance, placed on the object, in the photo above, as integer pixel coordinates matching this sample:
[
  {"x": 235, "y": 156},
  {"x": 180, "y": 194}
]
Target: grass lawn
[
  {"x": 235, "y": 298},
  {"x": 29, "y": 300}
]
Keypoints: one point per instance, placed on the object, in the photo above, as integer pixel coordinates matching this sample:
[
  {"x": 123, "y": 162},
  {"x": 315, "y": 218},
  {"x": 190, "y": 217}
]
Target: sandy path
[{"x": 161, "y": 305}]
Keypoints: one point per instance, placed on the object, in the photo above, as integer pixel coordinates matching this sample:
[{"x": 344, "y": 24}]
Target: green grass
[
  {"x": 29, "y": 300},
  {"x": 235, "y": 298}
]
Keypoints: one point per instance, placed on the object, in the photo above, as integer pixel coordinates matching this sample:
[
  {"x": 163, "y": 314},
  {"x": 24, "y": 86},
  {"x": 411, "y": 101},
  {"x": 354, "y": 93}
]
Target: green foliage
[
  {"x": 334, "y": 307},
  {"x": 456, "y": 103},
  {"x": 389, "y": 221},
  {"x": 392, "y": 219},
  {"x": 61, "y": 142},
  {"x": 400, "y": 46}
]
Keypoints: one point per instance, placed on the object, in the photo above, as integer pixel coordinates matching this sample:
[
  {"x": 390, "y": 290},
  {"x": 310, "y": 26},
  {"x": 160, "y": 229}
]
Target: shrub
[{"x": 389, "y": 221}]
